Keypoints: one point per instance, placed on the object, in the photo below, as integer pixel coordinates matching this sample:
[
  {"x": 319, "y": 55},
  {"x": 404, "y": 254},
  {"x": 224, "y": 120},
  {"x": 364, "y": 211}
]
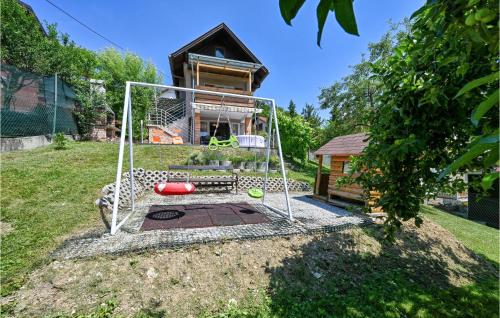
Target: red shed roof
[{"x": 344, "y": 145}]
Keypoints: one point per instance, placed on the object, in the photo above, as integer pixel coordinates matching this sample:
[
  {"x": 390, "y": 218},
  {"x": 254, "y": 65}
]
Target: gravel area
[{"x": 310, "y": 216}]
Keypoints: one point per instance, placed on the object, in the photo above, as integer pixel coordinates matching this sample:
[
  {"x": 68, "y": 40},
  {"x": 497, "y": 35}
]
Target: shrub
[{"x": 60, "y": 141}]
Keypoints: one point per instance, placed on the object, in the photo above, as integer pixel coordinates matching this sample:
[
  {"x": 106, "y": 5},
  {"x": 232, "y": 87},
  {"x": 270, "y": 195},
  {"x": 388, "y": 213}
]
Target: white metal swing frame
[{"x": 127, "y": 124}]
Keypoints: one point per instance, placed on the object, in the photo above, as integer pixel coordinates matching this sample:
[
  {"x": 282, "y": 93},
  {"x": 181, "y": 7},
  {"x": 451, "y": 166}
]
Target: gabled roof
[
  {"x": 347, "y": 145},
  {"x": 210, "y": 33},
  {"x": 221, "y": 31}
]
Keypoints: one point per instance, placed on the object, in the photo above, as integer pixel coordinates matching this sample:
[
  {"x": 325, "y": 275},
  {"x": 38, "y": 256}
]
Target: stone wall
[{"x": 146, "y": 179}]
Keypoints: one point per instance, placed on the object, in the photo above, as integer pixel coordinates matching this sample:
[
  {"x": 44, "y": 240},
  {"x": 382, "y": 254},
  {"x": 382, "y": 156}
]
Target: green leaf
[
  {"x": 478, "y": 82},
  {"x": 492, "y": 158},
  {"x": 483, "y": 108},
  {"x": 322, "y": 11},
  {"x": 488, "y": 180},
  {"x": 344, "y": 13},
  {"x": 289, "y": 9},
  {"x": 479, "y": 147}
]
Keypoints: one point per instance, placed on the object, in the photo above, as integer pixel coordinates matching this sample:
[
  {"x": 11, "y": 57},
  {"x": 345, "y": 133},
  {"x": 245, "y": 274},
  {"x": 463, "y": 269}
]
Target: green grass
[
  {"x": 482, "y": 239},
  {"x": 48, "y": 194}
]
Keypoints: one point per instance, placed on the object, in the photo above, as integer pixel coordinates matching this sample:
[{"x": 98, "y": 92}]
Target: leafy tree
[
  {"x": 353, "y": 99},
  {"x": 292, "y": 109},
  {"x": 115, "y": 69},
  {"x": 311, "y": 115},
  {"x": 423, "y": 121},
  {"x": 297, "y": 137}
]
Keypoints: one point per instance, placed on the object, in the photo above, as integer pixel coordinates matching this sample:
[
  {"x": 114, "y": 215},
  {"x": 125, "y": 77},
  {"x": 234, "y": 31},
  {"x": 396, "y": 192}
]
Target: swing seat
[
  {"x": 174, "y": 188},
  {"x": 255, "y": 193},
  {"x": 214, "y": 143}
]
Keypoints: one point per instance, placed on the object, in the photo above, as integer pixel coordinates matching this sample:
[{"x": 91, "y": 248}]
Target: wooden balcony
[{"x": 216, "y": 100}]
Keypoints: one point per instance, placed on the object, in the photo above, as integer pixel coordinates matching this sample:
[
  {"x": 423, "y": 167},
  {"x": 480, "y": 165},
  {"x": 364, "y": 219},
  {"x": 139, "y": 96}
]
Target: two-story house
[{"x": 216, "y": 61}]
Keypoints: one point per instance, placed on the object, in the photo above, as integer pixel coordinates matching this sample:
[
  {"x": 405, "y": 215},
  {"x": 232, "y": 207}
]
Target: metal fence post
[
  {"x": 55, "y": 105},
  {"x": 142, "y": 131}
]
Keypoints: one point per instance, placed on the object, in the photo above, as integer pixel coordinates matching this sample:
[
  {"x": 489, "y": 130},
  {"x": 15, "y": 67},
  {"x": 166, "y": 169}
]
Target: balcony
[{"x": 214, "y": 99}]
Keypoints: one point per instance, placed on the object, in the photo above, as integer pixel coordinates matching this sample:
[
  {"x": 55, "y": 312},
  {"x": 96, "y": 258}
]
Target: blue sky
[{"x": 298, "y": 68}]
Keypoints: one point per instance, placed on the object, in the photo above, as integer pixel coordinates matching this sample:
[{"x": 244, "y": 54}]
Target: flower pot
[
  {"x": 226, "y": 163},
  {"x": 240, "y": 165},
  {"x": 213, "y": 162},
  {"x": 261, "y": 167},
  {"x": 273, "y": 171},
  {"x": 250, "y": 165}
]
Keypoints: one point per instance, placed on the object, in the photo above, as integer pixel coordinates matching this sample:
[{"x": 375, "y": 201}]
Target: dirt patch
[
  {"x": 5, "y": 228},
  {"x": 190, "y": 281}
]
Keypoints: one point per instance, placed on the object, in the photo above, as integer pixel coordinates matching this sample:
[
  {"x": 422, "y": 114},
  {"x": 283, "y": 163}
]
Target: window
[
  {"x": 346, "y": 167},
  {"x": 219, "y": 52},
  {"x": 235, "y": 128},
  {"x": 204, "y": 128}
]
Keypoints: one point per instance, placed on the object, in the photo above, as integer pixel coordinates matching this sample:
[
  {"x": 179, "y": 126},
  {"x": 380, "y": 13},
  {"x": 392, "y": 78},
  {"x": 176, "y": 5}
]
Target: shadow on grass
[{"x": 349, "y": 274}]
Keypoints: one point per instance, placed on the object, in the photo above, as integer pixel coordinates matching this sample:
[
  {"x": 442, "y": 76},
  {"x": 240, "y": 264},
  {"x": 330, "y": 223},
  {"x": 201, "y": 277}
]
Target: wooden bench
[{"x": 216, "y": 181}]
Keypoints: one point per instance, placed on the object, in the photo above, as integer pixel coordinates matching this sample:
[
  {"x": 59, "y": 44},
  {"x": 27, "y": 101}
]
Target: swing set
[{"x": 176, "y": 188}]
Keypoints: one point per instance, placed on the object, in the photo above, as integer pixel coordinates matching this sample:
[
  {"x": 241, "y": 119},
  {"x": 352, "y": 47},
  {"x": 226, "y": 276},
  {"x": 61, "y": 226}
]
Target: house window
[
  {"x": 219, "y": 52},
  {"x": 235, "y": 128},
  {"x": 346, "y": 167},
  {"x": 204, "y": 128}
]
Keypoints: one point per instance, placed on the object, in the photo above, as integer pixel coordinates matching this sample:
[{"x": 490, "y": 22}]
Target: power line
[{"x": 84, "y": 25}]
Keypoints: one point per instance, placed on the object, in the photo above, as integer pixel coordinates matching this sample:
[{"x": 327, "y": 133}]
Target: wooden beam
[
  {"x": 249, "y": 81},
  {"x": 223, "y": 68},
  {"x": 318, "y": 175},
  {"x": 197, "y": 73}
]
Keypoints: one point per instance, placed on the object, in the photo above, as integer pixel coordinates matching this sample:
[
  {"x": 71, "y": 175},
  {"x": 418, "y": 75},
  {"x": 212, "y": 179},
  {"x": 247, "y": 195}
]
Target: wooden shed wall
[{"x": 352, "y": 191}]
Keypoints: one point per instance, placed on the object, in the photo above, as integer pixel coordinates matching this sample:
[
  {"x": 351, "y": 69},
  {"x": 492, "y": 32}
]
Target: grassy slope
[
  {"x": 47, "y": 194},
  {"x": 482, "y": 239}
]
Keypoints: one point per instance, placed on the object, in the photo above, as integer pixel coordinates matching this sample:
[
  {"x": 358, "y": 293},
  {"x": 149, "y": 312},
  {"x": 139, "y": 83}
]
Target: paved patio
[{"x": 311, "y": 216}]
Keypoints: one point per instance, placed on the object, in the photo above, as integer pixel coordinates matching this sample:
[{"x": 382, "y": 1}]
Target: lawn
[
  {"x": 48, "y": 194},
  {"x": 482, "y": 239}
]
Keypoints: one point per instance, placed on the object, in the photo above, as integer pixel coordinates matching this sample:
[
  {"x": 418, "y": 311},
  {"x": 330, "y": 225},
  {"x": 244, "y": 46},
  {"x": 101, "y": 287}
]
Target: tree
[
  {"x": 440, "y": 84},
  {"x": 297, "y": 137},
  {"x": 26, "y": 46},
  {"x": 353, "y": 99},
  {"x": 311, "y": 115},
  {"x": 115, "y": 69},
  {"x": 292, "y": 109},
  {"x": 423, "y": 121}
]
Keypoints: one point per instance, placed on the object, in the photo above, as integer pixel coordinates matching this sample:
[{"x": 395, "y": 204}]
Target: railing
[{"x": 172, "y": 120}]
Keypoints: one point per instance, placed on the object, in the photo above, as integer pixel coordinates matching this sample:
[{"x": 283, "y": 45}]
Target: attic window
[{"x": 219, "y": 52}]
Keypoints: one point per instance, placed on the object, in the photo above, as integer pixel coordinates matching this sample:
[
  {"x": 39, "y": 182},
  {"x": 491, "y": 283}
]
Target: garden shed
[{"x": 338, "y": 152}]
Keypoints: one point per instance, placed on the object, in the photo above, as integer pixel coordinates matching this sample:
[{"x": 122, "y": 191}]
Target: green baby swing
[{"x": 215, "y": 143}]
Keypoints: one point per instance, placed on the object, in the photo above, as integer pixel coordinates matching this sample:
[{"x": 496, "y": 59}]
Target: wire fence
[{"x": 33, "y": 104}]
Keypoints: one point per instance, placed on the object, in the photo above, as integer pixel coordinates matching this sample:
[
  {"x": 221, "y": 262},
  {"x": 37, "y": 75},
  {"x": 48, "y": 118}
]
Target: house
[
  {"x": 216, "y": 61},
  {"x": 105, "y": 126},
  {"x": 338, "y": 152}
]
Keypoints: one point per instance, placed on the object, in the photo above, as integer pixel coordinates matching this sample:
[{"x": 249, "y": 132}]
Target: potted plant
[
  {"x": 238, "y": 162},
  {"x": 261, "y": 164},
  {"x": 213, "y": 157},
  {"x": 274, "y": 163}
]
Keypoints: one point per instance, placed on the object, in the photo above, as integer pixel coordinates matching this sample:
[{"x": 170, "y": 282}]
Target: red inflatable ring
[{"x": 174, "y": 188}]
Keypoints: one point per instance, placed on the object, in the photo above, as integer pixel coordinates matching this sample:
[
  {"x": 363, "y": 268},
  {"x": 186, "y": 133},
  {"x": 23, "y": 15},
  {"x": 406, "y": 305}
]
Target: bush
[
  {"x": 196, "y": 158},
  {"x": 60, "y": 141},
  {"x": 214, "y": 155}
]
